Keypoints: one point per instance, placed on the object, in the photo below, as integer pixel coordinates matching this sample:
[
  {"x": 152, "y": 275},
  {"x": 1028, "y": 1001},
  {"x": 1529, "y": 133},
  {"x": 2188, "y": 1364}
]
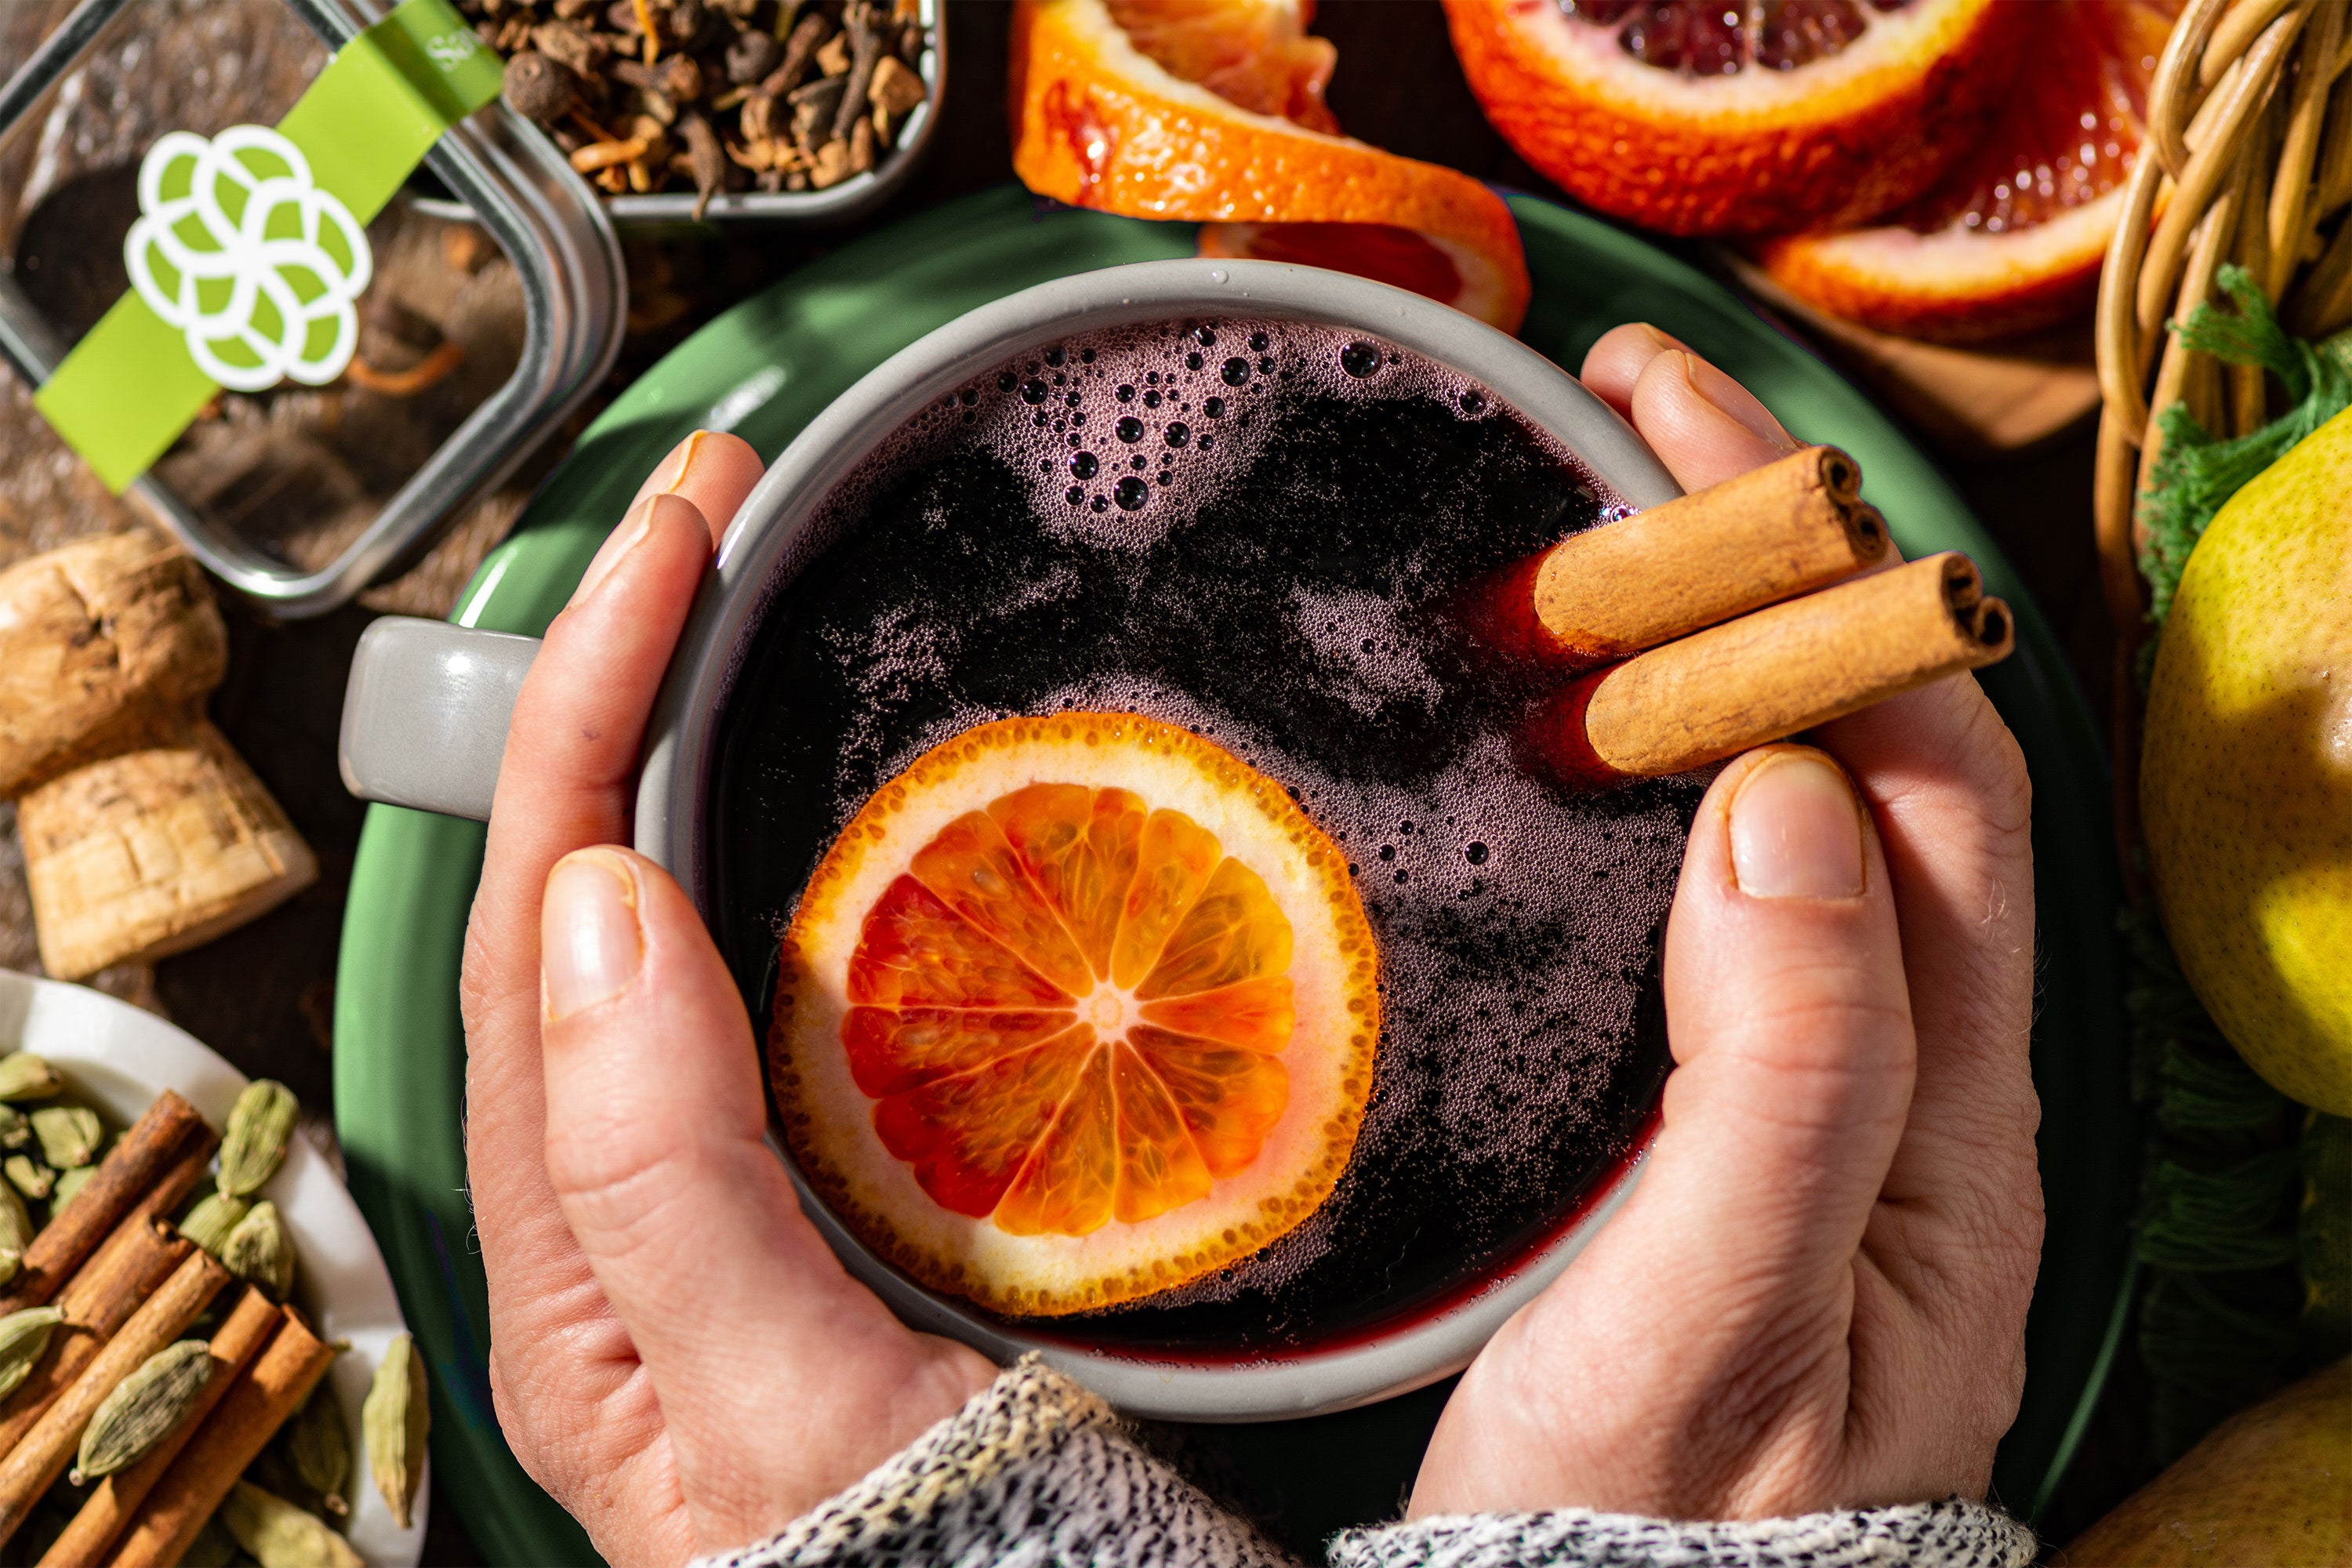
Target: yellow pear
[
  {"x": 2246, "y": 776},
  {"x": 2270, "y": 1487}
]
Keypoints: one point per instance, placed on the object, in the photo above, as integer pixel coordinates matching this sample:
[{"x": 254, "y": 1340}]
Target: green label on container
[{"x": 251, "y": 252}]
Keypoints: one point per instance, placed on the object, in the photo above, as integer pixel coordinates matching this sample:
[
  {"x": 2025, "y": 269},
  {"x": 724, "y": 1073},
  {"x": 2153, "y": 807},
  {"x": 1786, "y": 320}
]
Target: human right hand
[
  {"x": 1816, "y": 1297},
  {"x": 676, "y": 1355}
]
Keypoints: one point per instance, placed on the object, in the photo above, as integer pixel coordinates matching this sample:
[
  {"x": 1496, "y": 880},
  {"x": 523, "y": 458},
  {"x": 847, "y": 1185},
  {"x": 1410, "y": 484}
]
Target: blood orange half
[
  {"x": 2011, "y": 240},
  {"x": 1212, "y": 110},
  {"x": 1714, "y": 117},
  {"x": 1076, "y": 1009}
]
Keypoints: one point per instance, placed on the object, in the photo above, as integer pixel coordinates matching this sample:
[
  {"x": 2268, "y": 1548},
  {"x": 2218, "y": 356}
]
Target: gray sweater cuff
[
  {"x": 1952, "y": 1534},
  {"x": 1036, "y": 1471},
  {"x": 1033, "y": 1470}
]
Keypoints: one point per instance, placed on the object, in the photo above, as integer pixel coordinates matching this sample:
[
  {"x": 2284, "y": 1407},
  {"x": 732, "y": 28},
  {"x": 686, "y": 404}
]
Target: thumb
[
  {"x": 1790, "y": 1025},
  {"x": 655, "y": 1148}
]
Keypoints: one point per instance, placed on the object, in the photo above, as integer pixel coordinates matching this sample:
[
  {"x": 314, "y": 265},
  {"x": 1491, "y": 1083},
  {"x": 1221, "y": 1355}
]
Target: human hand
[
  {"x": 1816, "y": 1296},
  {"x": 675, "y": 1352}
]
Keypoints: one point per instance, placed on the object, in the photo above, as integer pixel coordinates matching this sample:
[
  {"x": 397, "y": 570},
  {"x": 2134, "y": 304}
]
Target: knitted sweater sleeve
[{"x": 1035, "y": 1472}]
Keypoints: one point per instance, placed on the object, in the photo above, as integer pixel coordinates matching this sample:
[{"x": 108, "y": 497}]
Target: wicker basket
[{"x": 2247, "y": 158}]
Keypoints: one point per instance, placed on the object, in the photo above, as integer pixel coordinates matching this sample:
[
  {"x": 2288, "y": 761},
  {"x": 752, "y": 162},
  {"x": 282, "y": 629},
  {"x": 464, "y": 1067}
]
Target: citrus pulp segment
[
  {"x": 1212, "y": 111},
  {"x": 1766, "y": 131},
  {"x": 2010, "y": 240},
  {"x": 1074, "y": 1009}
]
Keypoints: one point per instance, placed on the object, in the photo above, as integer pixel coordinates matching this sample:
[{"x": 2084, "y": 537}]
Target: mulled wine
[{"x": 1249, "y": 528}]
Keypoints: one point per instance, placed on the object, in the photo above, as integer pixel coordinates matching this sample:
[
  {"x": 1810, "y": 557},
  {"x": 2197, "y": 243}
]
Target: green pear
[
  {"x": 2270, "y": 1487},
  {"x": 2246, "y": 774}
]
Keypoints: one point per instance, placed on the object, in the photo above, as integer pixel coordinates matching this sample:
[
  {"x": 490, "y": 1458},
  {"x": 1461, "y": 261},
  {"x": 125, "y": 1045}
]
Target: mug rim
[{"x": 1380, "y": 1362}]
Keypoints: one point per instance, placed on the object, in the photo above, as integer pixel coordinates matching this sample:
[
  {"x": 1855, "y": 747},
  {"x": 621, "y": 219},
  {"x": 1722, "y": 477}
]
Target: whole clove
[
  {"x": 753, "y": 54},
  {"x": 703, "y": 156},
  {"x": 807, "y": 36},
  {"x": 866, "y": 47},
  {"x": 677, "y": 77}
]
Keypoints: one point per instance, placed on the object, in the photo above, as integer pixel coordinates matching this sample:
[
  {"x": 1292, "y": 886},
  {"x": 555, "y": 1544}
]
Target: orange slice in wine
[
  {"x": 1212, "y": 110},
  {"x": 1075, "y": 1010}
]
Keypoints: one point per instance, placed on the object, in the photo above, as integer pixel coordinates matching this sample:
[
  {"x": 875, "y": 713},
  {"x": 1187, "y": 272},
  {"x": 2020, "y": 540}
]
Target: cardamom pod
[
  {"x": 213, "y": 1547},
  {"x": 22, "y": 1337},
  {"x": 213, "y": 1217},
  {"x": 68, "y": 1183},
  {"x": 16, "y": 1128},
  {"x": 395, "y": 1421},
  {"x": 254, "y": 1144},
  {"x": 28, "y": 1175},
  {"x": 143, "y": 1409},
  {"x": 279, "y": 1535},
  {"x": 16, "y": 1227},
  {"x": 69, "y": 1135},
  {"x": 319, "y": 1450},
  {"x": 260, "y": 1251},
  {"x": 24, "y": 1075}
]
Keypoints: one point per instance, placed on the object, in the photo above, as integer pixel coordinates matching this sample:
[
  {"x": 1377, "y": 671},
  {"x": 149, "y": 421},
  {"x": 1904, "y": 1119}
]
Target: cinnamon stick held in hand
[
  {"x": 1766, "y": 676},
  {"x": 1788, "y": 528}
]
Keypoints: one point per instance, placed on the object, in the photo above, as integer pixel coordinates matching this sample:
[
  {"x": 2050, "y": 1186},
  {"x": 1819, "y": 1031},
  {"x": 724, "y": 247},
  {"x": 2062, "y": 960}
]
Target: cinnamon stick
[
  {"x": 33, "y": 1466},
  {"x": 240, "y": 1338},
  {"x": 160, "y": 1140},
  {"x": 261, "y": 1400},
  {"x": 96, "y": 1303},
  {"x": 1768, "y": 675},
  {"x": 1788, "y": 528}
]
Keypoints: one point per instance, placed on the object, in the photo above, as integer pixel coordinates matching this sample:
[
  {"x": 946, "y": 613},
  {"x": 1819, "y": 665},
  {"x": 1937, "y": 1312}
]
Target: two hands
[{"x": 1815, "y": 1298}]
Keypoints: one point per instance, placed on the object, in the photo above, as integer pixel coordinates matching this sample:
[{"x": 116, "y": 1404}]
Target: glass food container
[{"x": 477, "y": 333}]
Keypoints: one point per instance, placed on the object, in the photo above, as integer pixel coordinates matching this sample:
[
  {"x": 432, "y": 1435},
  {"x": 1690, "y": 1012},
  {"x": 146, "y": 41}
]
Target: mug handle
[{"x": 426, "y": 715}]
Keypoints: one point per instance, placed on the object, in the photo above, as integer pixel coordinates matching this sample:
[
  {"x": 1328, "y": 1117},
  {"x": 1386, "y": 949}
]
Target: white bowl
[{"x": 118, "y": 1059}]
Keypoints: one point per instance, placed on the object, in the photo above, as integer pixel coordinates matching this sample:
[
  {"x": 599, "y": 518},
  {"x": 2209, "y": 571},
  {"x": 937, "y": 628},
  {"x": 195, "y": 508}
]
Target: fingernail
[
  {"x": 672, "y": 470},
  {"x": 590, "y": 947},
  {"x": 1796, "y": 829},
  {"x": 1659, "y": 342},
  {"x": 1729, "y": 397},
  {"x": 636, "y": 524}
]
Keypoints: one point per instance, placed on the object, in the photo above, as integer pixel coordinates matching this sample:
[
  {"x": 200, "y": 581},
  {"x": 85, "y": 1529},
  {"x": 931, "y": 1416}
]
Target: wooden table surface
[{"x": 263, "y": 995}]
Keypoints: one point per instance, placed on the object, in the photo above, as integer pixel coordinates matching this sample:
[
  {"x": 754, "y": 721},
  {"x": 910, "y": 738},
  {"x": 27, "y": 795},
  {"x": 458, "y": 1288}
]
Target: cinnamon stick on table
[
  {"x": 261, "y": 1400},
  {"x": 1790, "y": 527},
  {"x": 113, "y": 1501},
  {"x": 158, "y": 1141},
  {"x": 35, "y": 1462},
  {"x": 96, "y": 1303},
  {"x": 1768, "y": 675}
]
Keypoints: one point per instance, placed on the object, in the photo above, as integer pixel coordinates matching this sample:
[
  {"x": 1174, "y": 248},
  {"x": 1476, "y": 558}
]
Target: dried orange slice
[
  {"x": 1713, "y": 117},
  {"x": 2011, "y": 240},
  {"x": 1076, "y": 1009},
  {"x": 1212, "y": 110}
]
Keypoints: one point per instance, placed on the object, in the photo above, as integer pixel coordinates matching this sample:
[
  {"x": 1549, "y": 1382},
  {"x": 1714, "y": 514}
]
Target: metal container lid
[{"x": 459, "y": 344}]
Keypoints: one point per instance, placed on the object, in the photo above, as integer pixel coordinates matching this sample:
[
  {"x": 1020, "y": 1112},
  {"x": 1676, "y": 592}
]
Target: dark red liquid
[{"x": 1278, "y": 591}]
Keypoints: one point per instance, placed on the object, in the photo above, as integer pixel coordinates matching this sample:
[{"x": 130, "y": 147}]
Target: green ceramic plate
[{"x": 763, "y": 370}]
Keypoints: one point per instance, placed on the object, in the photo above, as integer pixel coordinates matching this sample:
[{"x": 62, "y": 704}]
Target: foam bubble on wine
[{"x": 1279, "y": 589}]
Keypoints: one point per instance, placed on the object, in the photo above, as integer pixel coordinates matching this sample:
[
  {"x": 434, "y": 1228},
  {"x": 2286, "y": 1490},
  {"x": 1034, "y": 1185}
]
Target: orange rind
[{"x": 1212, "y": 111}]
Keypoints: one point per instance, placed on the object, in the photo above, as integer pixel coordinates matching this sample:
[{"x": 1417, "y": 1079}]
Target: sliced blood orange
[
  {"x": 2011, "y": 240},
  {"x": 1714, "y": 117},
  {"x": 1076, "y": 1009},
  {"x": 1212, "y": 110}
]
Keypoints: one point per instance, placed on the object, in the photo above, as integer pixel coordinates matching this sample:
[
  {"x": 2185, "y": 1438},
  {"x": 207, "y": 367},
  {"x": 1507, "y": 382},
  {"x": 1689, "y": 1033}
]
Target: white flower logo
[{"x": 257, "y": 267}]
